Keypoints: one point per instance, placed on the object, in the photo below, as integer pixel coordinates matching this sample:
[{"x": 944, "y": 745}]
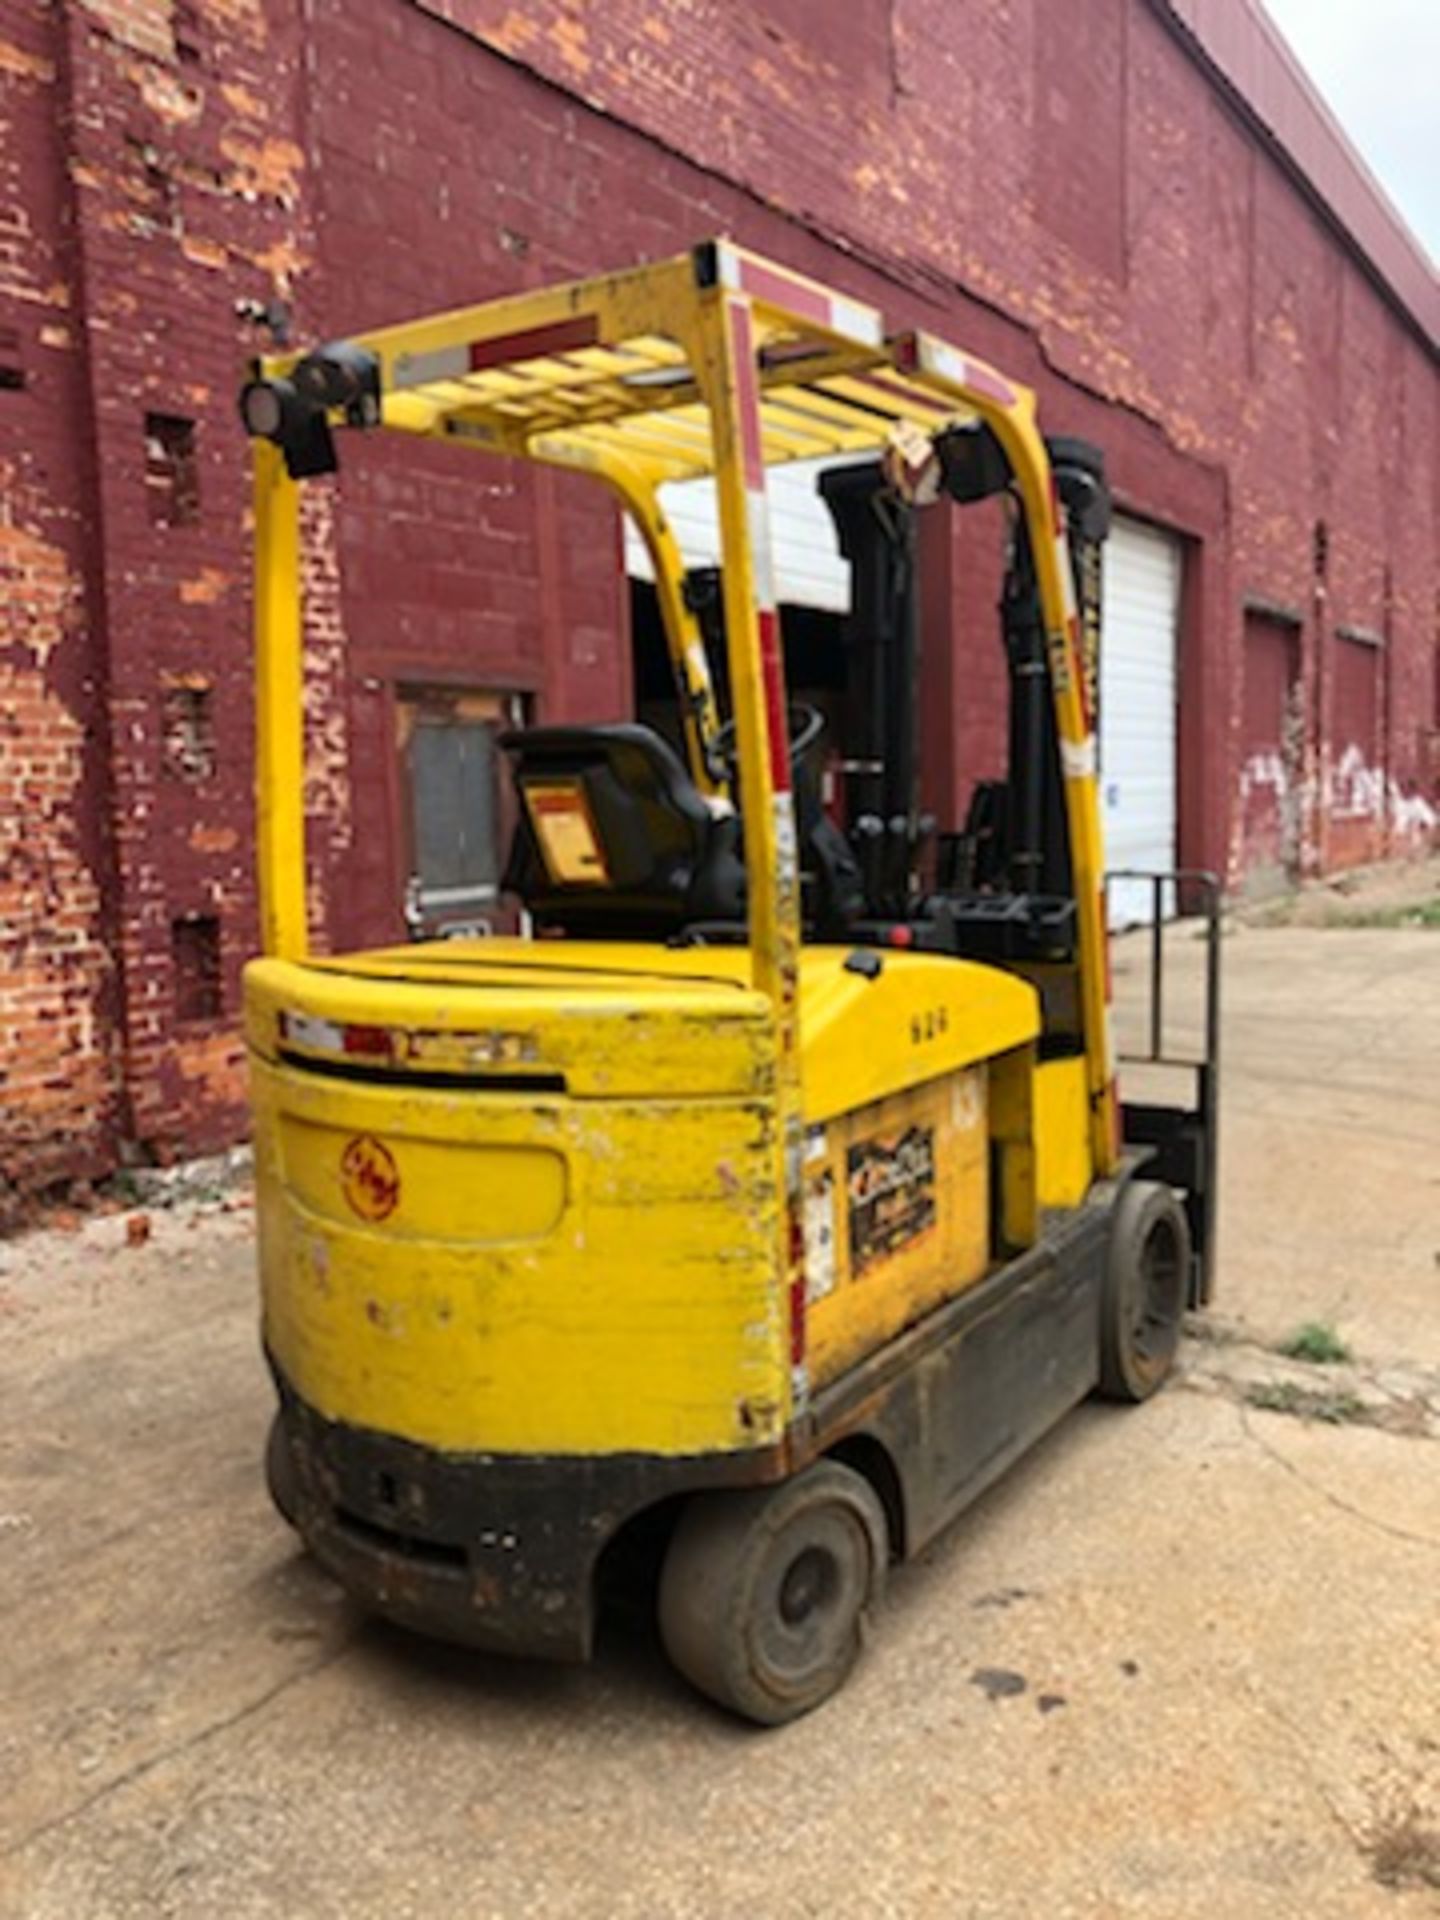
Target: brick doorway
[{"x": 1272, "y": 746}]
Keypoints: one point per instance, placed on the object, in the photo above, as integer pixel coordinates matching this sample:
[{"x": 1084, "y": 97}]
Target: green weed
[{"x": 1316, "y": 1341}]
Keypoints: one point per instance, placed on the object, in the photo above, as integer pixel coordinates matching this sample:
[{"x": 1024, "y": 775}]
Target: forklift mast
[{"x": 1015, "y": 842}]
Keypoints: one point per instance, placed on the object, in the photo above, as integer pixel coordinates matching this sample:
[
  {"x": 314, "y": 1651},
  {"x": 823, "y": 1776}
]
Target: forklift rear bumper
[{"x": 492, "y": 1551}]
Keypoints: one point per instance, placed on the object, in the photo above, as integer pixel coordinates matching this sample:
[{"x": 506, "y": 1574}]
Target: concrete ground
[{"x": 1184, "y": 1662}]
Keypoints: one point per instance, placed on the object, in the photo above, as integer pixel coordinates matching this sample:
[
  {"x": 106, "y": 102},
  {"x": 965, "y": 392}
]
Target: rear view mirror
[
  {"x": 972, "y": 463},
  {"x": 1080, "y": 477}
]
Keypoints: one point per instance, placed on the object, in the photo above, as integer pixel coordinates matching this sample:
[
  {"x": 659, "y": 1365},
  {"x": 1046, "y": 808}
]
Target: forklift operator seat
[{"x": 614, "y": 837}]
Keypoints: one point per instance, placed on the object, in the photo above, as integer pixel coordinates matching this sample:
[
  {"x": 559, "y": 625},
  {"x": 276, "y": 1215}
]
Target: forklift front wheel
[
  {"x": 765, "y": 1596},
  {"x": 1146, "y": 1279},
  {"x": 280, "y": 1472}
]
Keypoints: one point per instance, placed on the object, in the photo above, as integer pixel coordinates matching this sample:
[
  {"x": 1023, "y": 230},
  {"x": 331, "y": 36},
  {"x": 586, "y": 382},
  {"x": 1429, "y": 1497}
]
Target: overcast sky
[{"x": 1377, "y": 62}]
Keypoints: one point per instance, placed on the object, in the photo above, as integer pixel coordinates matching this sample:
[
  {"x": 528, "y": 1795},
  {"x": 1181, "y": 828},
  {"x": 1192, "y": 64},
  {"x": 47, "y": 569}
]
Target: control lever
[
  {"x": 867, "y": 836},
  {"x": 897, "y": 865},
  {"x": 925, "y": 828}
]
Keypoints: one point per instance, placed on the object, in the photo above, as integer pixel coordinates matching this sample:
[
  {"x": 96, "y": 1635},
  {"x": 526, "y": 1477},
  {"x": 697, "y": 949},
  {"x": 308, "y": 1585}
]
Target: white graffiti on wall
[
  {"x": 1353, "y": 790},
  {"x": 1356, "y": 790}
]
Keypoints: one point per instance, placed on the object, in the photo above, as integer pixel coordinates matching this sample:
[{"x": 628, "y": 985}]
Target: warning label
[{"x": 891, "y": 1194}]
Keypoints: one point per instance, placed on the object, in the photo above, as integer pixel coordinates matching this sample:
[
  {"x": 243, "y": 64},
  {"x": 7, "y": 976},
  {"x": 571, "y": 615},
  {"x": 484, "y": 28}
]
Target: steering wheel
[{"x": 806, "y": 725}]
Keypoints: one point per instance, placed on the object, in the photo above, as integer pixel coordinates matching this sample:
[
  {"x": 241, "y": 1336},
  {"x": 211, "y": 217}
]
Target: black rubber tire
[
  {"x": 1147, "y": 1280},
  {"x": 280, "y": 1474},
  {"x": 766, "y": 1595}
]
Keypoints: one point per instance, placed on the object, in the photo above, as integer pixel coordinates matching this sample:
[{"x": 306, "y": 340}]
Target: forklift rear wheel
[
  {"x": 1146, "y": 1279},
  {"x": 280, "y": 1473},
  {"x": 765, "y": 1596}
]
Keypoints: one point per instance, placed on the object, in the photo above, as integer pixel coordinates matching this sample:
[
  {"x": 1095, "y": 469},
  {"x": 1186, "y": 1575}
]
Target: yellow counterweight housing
[{"x": 520, "y": 1198}]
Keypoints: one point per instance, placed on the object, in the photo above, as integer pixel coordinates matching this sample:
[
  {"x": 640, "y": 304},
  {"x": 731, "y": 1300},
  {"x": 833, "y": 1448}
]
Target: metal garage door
[
  {"x": 808, "y": 569},
  {"x": 1137, "y": 709}
]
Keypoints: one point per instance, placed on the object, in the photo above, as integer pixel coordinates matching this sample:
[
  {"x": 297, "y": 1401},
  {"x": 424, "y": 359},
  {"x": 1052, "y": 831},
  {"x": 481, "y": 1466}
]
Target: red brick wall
[
  {"x": 59, "y": 1055},
  {"x": 1058, "y": 187},
  {"x": 188, "y": 176}
]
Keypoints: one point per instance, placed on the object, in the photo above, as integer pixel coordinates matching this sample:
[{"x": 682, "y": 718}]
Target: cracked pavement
[{"x": 1182, "y": 1662}]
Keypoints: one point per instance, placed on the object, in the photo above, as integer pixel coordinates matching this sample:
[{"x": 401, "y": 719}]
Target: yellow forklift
[{"x": 770, "y": 1193}]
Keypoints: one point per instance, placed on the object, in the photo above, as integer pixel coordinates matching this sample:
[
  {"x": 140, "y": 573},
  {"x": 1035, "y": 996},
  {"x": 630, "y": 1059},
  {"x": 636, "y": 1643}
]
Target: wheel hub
[{"x": 810, "y": 1581}]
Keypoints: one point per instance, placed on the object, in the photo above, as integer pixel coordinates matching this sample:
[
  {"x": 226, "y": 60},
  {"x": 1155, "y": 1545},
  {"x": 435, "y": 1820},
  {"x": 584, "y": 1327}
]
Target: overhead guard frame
[{"x": 713, "y": 363}]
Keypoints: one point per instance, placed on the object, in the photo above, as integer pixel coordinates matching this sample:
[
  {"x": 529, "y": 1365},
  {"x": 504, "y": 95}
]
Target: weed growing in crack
[
  {"x": 1336, "y": 1408},
  {"x": 1316, "y": 1341}
]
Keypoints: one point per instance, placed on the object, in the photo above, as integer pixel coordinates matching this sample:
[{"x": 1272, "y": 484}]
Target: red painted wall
[{"x": 1060, "y": 188}]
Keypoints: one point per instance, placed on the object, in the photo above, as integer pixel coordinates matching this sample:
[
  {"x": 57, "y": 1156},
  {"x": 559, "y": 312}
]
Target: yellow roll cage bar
[{"x": 720, "y": 363}]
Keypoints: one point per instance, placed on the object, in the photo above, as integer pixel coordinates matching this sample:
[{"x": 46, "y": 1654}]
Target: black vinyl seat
[{"x": 636, "y": 852}]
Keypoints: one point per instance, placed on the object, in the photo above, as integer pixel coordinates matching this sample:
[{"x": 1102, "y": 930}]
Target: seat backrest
[{"x": 614, "y": 837}]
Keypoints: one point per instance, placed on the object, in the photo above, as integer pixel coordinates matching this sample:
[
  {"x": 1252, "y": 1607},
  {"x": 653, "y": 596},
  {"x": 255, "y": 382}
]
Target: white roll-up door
[
  {"x": 1137, "y": 710},
  {"x": 809, "y": 571}
]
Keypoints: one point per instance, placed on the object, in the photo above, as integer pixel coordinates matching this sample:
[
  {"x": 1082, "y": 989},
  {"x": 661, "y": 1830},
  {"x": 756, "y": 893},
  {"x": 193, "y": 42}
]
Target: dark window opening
[
  {"x": 185, "y": 25},
  {"x": 153, "y": 192},
  {"x": 172, "y": 473},
  {"x": 195, "y": 951},
  {"x": 12, "y": 367},
  {"x": 188, "y": 731}
]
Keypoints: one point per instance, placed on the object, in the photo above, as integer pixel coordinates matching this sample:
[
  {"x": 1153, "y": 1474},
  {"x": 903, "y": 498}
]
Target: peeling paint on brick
[
  {"x": 25, "y": 66},
  {"x": 242, "y": 101},
  {"x": 207, "y": 586},
  {"x": 214, "y": 839},
  {"x": 144, "y": 25},
  {"x": 55, "y": 1067},
  {"x": 39, "y": 595},
  {"x": 173, "y": 102},
  {"x": 269, "y": 166}
]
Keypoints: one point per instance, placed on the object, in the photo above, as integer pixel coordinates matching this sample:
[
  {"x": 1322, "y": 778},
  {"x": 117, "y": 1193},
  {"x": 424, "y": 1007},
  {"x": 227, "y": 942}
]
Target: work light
[
  {"x": 273, "y": 410},
  {"x": 341, "y": 374},
  {"x": 262, "y": 407},
  {"x": 294, "y": 413}
]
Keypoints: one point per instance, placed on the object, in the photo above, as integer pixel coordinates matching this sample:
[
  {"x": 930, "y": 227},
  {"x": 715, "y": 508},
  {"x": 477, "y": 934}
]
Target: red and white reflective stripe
[
  {"x": 804, "y": 298},
  {"x": 1112, "y": 1091},
  {"x": 752, "y": 454},
  {"x": 441, "y": 363},
  {"x": 787, "y": 863},
  {"x": 757, "y": 510},
  {"x": 1062, "y": 560},
  {"x": 762, "y": 555},
  {"x": 776, "y": 724},
  {"x": 937, "y": 357},
  {"x": 1077, "y": 758},
  {"x": 475, "y": 356}
]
